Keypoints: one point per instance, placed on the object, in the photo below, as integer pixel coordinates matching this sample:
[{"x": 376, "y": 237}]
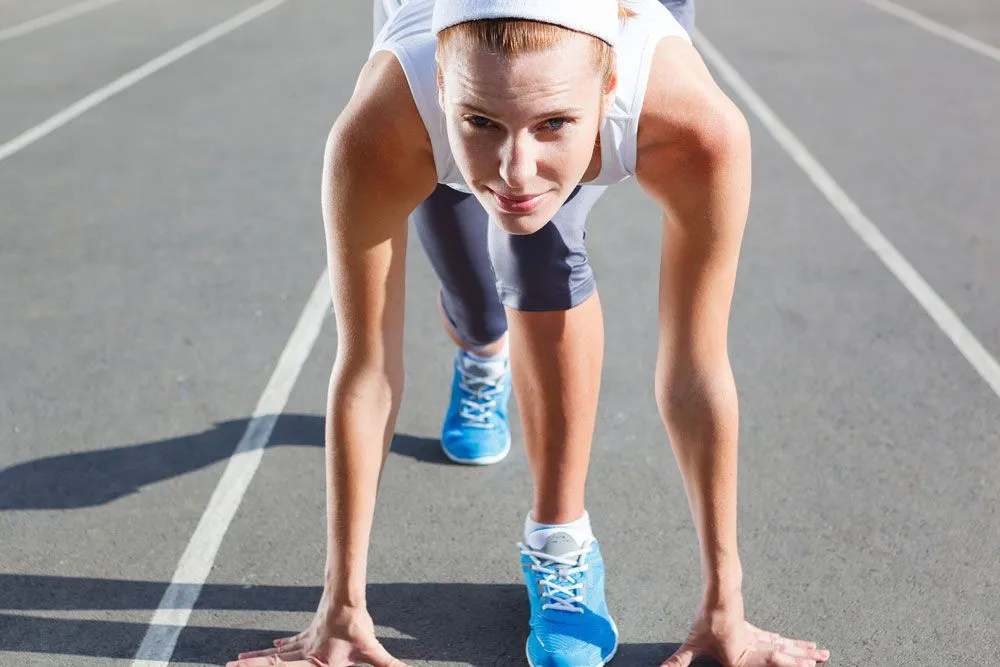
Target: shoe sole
[
  {"x": 480, "y": 460},
  {"x": 601, "y": 663}
]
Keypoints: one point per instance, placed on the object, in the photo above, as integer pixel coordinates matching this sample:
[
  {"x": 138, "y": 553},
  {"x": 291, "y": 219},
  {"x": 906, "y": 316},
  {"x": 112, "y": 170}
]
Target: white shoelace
[
  {"x": 477, "y": 411},
  {"x": 559, "y": 577}
]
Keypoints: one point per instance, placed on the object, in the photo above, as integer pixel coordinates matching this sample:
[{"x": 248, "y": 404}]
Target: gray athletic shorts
[{"x": 482, "y": 269}]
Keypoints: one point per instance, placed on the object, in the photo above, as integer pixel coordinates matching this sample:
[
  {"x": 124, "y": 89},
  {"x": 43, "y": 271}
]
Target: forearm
[
  {"x": 701, "y": 414},
  {"x": 361, "y": 416},
  {"x": 378, "y": 166}
]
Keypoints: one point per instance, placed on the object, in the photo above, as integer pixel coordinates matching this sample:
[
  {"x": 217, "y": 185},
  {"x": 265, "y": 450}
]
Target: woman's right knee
[{"x": 475, "y": 322}]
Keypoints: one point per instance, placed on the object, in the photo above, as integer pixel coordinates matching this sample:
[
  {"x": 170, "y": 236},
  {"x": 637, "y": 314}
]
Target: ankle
[
  {"x": 498, "y": 349},
  {"x": 580, "y": 525}
]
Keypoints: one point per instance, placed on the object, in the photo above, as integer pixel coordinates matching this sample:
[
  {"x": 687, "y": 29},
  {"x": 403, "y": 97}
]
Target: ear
[
  {"x": 440, "y": 82},
  {"x": 608, "y": 93}
]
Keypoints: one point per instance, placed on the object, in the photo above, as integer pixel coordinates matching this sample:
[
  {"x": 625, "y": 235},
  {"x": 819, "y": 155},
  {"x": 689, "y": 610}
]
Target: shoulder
[
  {"x": 380, "y": 130},
  {"x": 684, "y": 112},
  {"x": 681, "y": 96}
]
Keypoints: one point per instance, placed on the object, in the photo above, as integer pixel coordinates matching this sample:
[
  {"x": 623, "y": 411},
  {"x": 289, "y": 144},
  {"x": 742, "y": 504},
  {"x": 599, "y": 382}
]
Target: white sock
[
  {"x": 493, "y": 366},
  {"x": 536, "y": 533},
  {"x": 502, "y": 354}
]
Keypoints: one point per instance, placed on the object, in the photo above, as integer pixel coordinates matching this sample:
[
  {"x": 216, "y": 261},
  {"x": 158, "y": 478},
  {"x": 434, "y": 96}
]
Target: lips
[{"x": 517, "y": 203}]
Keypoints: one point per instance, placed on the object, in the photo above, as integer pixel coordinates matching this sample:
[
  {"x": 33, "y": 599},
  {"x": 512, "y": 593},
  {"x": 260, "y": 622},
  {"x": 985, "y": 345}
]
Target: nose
[{"x": 518, "y": 163}]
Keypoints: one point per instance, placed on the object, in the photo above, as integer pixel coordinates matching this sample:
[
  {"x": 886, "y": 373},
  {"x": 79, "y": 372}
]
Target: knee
[{"x": 476, "y": 324}]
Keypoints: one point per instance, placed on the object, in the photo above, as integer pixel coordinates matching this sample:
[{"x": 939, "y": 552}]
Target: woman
[{"x": 512, "y": 117}]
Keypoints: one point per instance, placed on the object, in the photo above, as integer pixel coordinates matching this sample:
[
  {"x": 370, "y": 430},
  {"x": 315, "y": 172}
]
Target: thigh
[
  {"x": 453, "y": 227},
  {"x": 547, "y": 270}
]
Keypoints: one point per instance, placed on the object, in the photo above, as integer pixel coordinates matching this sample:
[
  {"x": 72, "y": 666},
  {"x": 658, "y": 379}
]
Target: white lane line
[
  {"x": 55, "y": 17},
  {"x": 936, "y": 28},
  {"x": 196, "y": 563},
  {"x": 953, "y": 327},
  {"x": 87, "y": 103}
]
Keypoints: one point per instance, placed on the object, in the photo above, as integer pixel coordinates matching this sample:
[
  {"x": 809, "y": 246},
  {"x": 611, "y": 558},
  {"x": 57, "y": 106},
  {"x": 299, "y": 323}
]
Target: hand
[
  {"x": 731, "y": 640},
  {"x": 347, "y": 639}
]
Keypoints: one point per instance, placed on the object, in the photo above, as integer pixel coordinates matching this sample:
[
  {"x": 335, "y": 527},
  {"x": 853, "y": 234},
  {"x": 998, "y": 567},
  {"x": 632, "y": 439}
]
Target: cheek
[
  {"x": 472, "y": 153},
  {"x": 570, "y": 157}
]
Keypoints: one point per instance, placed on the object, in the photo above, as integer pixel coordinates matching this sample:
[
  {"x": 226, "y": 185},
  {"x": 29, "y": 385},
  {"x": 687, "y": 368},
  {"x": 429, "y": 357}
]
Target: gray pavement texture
[{"x": 156, "y": 253}]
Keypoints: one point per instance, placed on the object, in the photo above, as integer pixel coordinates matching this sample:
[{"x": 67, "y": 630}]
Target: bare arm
[
  {"x": 378, "y": 167},
  {"x": 694, "y": 159},
  {"x": 696, "y": 164}
]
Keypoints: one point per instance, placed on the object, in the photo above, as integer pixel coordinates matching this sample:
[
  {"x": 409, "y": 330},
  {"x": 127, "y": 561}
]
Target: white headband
[{"x": 594, "y": 17}]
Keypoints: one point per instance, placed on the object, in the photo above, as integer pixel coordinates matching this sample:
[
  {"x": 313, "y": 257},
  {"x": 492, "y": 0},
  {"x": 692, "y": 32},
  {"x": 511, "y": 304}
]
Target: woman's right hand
[{"x": 347, "y": 638}]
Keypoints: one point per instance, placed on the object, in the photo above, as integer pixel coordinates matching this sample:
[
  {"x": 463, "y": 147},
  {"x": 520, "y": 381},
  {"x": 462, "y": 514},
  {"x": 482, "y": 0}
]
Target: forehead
[{"x": 564, "y": 72}]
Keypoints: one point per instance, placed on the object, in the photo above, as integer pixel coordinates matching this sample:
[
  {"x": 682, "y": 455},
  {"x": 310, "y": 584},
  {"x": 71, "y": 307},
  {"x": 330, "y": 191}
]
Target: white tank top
[{"x": 407, "y": 34}]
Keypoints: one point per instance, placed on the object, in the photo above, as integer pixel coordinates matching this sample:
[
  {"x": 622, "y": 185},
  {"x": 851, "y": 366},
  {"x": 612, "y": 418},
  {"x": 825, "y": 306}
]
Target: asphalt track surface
[{"x": 161, "y": 305}]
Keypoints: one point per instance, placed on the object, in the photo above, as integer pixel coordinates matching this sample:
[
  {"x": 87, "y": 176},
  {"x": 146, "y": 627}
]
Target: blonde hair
[{"x": 513, "y": 37}]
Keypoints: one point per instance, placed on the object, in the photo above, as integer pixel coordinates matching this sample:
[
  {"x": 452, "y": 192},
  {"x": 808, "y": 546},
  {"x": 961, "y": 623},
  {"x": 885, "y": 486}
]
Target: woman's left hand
[{"x": 734, "y": 642}]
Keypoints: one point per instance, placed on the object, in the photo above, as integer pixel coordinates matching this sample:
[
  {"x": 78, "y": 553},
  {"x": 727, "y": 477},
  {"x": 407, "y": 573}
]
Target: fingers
[
  {"x": 796, "y": 656},
  {"x": 287, "y": 652},
  {"x": 297, "y": 654},
  {"x": 258, "y": 661},
  {"x": 764, "y": 635},
  {"x": 785, "y": 660},
  {"x": 290, "y": 647},
  {"x": 790, "y": 648},
  {"x": 283, "y": 644},
  {"x": 793, "y": 656},
  {"x": 776, "y": 639},
  {"x": 292, "y": 657},
  {"x": 289, "y": 640},
  {"x": 379, "y": 657},
  {"x": 682, "y": 658},
  {"x": 395, "y": 662},
  {"x": 264, "y": 652},
  {"x": 272, "y": 661}
]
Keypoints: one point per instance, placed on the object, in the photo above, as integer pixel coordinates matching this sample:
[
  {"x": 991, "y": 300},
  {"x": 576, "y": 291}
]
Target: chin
[
  {"x": 523, "y": 223},
  {"x": 519, "y": 224}
]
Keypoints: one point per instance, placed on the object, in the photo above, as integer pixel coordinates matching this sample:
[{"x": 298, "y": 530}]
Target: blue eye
[
  {"x": 555, "y": 124},
  {"x": 478, "y": 121}
]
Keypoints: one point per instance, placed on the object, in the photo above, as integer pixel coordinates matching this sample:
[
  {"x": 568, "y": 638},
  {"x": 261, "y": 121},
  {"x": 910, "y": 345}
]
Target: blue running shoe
[
  {"x": 570, "y": 623},
  {"x": 475, "y": 430}
]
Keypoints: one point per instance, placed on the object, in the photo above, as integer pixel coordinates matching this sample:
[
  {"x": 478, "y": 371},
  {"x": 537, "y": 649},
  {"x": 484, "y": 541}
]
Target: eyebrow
[{"x": 552, "y": 113}]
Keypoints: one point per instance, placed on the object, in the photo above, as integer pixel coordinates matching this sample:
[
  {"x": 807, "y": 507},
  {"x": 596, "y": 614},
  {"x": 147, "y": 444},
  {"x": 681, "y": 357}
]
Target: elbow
[
  {"x": 368, "y": 379},
  {"x": 337, "y": 149}
]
